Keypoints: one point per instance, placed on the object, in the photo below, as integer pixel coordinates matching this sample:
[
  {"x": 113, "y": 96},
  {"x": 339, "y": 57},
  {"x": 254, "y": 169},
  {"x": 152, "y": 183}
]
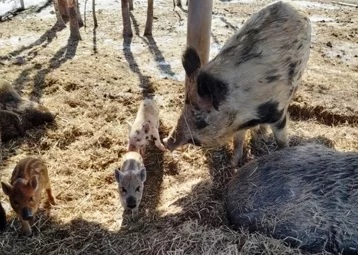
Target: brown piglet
[{"x": 28, "y": 179}]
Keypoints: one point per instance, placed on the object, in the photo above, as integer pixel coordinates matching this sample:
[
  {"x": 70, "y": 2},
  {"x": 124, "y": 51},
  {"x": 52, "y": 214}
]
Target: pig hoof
[
  {"x": 52, "y": 201},
  {"x": 28, "y": 232}
]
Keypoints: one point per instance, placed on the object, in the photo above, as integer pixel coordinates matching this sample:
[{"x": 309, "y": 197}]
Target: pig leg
[
  {"x": 135, "y": 214},
  {"x": 26, "y": 226},
  {"x": 157, "y": 141},
  {"x": 279, "y": 130},
  {"x": 239, "y": 139},
  {"x": 48, "y": 188}
]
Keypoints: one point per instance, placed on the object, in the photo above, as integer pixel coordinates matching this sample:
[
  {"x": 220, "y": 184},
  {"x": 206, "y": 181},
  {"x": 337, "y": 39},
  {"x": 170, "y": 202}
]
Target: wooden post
[
  {"x": 74, "y": 27},
  {"x": 94, "y": 13},
  {"x": 22, "y": 4},
  {"x": 199, "y": 27},
  {"x": 60, "y": 23}
]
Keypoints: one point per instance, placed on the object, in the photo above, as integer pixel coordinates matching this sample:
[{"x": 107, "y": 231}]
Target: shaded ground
[{"x": 95, "y": 85}]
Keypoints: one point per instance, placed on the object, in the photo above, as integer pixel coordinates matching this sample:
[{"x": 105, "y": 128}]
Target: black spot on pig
[
  {"x": 267, "y": 113},
  {"x": 300, "y": 46},
  {"x": 191, "y": 61},
  {"x": 153, "y": 138},
  {"x": 249, "y": 47},
  {"x": 272, "y": 76},
  {"x": 212, "y": 89},
  {"x": 291, "y": 71}
]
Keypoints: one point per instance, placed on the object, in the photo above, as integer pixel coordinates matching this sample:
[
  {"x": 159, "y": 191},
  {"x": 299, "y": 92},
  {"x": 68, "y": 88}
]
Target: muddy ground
[{"x": 95, "y": 85}]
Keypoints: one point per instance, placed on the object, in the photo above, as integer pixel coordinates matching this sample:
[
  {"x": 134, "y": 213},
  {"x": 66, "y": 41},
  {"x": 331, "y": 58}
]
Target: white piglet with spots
[{"x": 145, "y": 127}]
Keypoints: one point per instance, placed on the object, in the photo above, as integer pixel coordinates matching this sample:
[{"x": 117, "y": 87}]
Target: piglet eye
[
  {"x": 137, "y": 189},
  {"x": 124, "y": 190},
  {"x": 31, "y": 199}
]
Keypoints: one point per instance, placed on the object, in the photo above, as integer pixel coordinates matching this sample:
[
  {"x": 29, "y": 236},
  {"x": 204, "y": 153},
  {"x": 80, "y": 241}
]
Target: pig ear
[
  {"x": 34, "y": 183},
  {"x": 142, "y": 174},
  {"x": 211, "y": 89},
  {"x": 118, "y": 175},
  {"x": 146, "y": 127},
  {"x": 191, "y": 61},
  {"x": 7, "y": 188}
]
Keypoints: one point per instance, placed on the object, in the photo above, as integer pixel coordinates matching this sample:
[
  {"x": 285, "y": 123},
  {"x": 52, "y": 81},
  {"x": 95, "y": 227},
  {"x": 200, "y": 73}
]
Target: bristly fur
[{"x": 305, "y": 195}]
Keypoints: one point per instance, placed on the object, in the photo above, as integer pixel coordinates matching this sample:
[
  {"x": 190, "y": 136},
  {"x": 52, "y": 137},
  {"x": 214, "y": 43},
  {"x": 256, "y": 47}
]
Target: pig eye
[
  {"x": 137, "y": 189},
  {"x": 31, "y": 199},
  {"x": 124, "y": 190},
  {"x": 138, "y": 140}
]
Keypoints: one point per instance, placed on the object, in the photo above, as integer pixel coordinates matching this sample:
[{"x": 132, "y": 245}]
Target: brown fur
[
  {"x": 28, "y": 179},
  {"x": 18, "y": 114}
]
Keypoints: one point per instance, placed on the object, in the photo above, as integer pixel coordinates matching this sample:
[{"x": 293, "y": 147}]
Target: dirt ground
[{"x": 95, "y": 85}]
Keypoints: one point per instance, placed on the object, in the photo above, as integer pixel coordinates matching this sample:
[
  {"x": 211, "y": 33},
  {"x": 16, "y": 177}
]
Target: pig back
[
  {"x": 305, "y": 195},
  {"x": 28, "y": 167},
  {"x": 266, "y": 57}
]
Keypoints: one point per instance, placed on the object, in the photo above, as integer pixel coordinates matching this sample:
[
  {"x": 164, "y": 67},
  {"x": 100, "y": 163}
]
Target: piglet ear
[
  {"x": 143, "y": 174},
  {"x": 146, "y": 127},
  {"x": 7, "y": 188},
  {"x": 118, "y": 175},
  {"x": 34, "y": 183},
  {"x": 191, "y": 61}
]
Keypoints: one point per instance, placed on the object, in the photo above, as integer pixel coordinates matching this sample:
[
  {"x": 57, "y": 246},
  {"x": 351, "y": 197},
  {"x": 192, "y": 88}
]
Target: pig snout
[
  {"x": 27, "y": 214},
  {"x": 131, "y": 203},
  {"x": 174, "y": 140}
]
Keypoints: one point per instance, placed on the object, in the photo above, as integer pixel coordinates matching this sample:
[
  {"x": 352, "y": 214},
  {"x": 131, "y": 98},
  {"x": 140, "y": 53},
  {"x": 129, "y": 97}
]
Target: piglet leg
[{"x": 157, "y": 141}]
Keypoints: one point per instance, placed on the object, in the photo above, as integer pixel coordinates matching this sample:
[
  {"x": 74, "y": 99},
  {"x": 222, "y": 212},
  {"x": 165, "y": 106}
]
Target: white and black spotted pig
[{"x": 251, "y": 81}]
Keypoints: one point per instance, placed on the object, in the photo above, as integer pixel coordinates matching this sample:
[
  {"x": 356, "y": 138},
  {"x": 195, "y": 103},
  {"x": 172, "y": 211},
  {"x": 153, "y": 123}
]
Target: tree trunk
[
  {"x": 131, "y": 8},
  {"x": 22, "y": 4},
  {"x": 94, "y": 13},
  {"x": 199, "y": 27},
  {"x": 60, "y": 23},
  {"x": 62, "y": 7},
  {"x": 127, "y": 29},
  {"x": 149, "y": 23},
  {"x": 74, "y": 28},
  {"x": 79, "y": 17}
]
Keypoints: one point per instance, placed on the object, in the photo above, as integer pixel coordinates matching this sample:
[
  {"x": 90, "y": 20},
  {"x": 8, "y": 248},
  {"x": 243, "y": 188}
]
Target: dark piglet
[
  {"x": 18, "y": 114},
  {"x": 305, "y": 195}
]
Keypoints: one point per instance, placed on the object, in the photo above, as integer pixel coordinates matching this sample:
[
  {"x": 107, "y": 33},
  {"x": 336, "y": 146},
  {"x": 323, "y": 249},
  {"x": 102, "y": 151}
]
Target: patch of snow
[{"x": 314, "y": 5}]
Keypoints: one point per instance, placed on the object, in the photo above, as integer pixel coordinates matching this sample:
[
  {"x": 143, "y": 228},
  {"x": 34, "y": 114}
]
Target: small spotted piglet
[{"x": 145, "y": 128}]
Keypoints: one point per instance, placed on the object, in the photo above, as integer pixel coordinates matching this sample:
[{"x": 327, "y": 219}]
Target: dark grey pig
[
  {"x": 305, "y": 195},
  {"x": 18, "y": 114},
  {"x": 251, "y": 81}
]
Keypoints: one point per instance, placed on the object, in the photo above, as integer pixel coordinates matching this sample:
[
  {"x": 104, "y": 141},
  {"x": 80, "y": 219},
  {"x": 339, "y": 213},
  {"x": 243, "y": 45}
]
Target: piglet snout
[{"x": 27, "y": 214}]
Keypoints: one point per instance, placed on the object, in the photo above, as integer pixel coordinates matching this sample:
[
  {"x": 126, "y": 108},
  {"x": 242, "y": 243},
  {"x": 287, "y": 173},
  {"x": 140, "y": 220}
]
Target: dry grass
[{"x": 95, "y": 90}]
